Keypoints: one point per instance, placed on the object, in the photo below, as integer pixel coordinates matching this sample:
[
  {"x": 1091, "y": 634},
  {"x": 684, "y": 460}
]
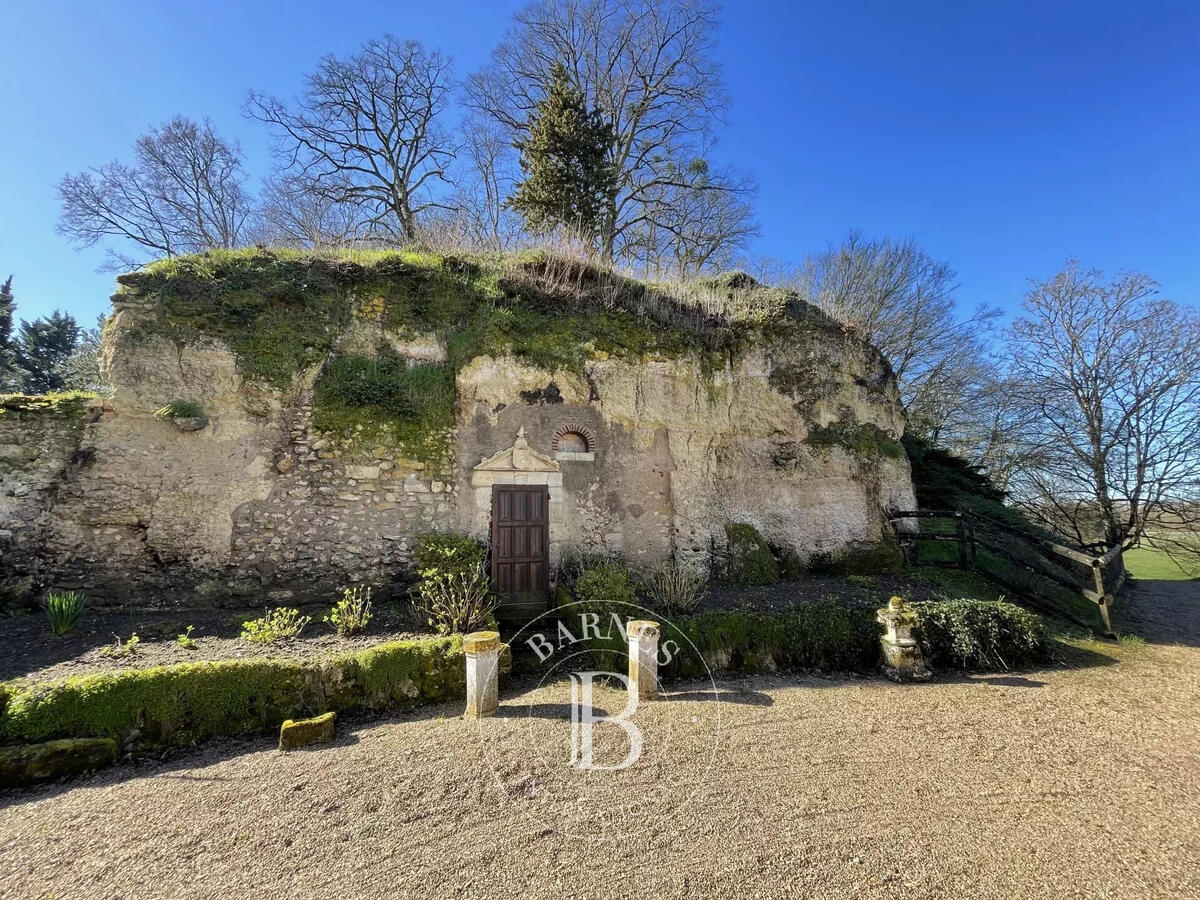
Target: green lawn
[{"x": 1153, "y": 564}]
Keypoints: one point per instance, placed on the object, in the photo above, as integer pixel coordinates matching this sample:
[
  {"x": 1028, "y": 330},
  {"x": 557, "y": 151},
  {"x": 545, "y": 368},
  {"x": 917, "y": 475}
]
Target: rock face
[
  {"x": 674, "y": 453},
  {"x": 651, "y": 458}
]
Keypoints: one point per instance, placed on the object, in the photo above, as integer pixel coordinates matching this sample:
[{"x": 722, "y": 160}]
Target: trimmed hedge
[
  {"x": 824, "y": 635},
  {"x": 980, "y": 635},
  {"x": 831, "y": 637},
  {"x": 172, "y": 706}
]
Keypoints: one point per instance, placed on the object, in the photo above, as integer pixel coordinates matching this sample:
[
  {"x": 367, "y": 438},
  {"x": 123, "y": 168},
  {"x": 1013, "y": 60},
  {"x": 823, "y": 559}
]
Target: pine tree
[
  {"x": 9, "y": 377},
  {"x": 81, "y": 370},
  {"x": 42, "y": 347},
  {"x": 566, "y": 161}
]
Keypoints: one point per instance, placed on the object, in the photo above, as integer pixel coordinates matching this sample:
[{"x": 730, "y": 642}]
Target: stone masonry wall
[{"x": 258, "y": 507}]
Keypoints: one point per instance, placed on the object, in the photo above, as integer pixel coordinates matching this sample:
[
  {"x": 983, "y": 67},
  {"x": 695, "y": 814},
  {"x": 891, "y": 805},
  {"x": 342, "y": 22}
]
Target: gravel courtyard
[{"x": 1077, "y": 781}]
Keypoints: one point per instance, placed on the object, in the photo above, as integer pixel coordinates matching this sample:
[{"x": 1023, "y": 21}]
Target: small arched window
[{"x": 572, "y": 442}]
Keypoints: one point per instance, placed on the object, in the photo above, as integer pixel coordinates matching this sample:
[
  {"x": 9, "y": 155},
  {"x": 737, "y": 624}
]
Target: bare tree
[
  {"x": 649, "y": 66},
  {"x": 1110, "y": 377},
  {"x": 292, "y": 214},
  {"x": 902, "y": 301},
  {"x": 184, "y": 193},
  {"x": 368, "y": 133},
  {"x": 479, "y": 217},
  {"x": 699, "y": 223}
]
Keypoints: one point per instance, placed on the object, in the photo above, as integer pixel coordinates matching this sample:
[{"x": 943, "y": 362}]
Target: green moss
[
  {"x": 54, "y": 759},
  {"x": 56, "y": 403},
  {"x": 866, "y": 440},
  {"x": 792, "y": 566},
  {"x": 382, "y": 399},
  {"x": 282, "y": 310},
  {"x": 171, "y": 706},
  {"x": 749, "y": 560},
  {"x": 297, "y": 733},
  {"x": 807, "y": 381},
  {"x": 882, "y": 558}
]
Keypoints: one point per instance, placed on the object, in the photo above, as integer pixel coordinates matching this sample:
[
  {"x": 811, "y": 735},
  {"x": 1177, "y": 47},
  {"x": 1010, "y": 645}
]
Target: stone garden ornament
[{"x": 902, "y": 658}]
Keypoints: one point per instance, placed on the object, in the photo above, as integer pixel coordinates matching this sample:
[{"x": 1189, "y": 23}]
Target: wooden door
[{"x": 520, "y": 542}]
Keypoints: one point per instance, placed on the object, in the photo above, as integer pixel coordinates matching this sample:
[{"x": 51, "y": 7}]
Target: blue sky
[{"x": 1002, "y": 136}]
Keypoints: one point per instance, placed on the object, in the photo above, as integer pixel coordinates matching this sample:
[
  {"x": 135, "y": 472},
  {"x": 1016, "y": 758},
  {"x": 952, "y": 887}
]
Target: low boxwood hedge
[
  {"x": 980, "y": 635},
  {"x": 824, "y": 635},
  {"x": 832, "y": 637},
  {"x": 171, "y": 706}
]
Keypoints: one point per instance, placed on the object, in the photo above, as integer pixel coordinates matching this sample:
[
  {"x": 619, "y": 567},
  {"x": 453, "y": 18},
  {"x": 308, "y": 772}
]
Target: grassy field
[{"x": 1153, "y": 564}]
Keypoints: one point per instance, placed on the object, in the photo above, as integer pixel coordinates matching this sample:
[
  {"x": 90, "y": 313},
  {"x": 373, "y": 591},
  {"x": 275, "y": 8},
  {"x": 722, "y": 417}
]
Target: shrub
[
  {"x": 180, "y": 409},
  {"x": 64, "y": 610},
  {"x": 455, "y": 602},
  {"x": 605, "y": 585},
  {"x": 749, "y": 559},
  {"x": 388, "y": 387},
  {"x": 675, "y": 588},
  {"x": 171, "y": 706},
  {"x": 122, "y": 649},
  {"x": 452, "y": 593},
  {"x": 825, "y": 635},
  {"x": 445, "y": 552},
  {"x": 277, "y": 625},
  {"x": 977, "y": 634},
  {"x": 352, "y": 614}
]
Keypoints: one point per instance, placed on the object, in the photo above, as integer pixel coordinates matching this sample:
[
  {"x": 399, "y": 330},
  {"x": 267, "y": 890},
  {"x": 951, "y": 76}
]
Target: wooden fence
[{"x": 1072, "y": 582}]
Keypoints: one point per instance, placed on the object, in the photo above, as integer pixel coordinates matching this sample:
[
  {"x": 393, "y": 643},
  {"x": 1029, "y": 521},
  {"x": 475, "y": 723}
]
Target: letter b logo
[{"x": 583, "y": 720}]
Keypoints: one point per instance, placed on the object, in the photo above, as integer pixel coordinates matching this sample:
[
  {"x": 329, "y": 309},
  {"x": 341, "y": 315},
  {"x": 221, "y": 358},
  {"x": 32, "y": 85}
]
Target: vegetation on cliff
[{"x": 283, "y": 312}]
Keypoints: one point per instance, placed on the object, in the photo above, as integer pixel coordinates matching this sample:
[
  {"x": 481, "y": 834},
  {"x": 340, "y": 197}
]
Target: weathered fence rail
[{"x": 1066, "y": 581}]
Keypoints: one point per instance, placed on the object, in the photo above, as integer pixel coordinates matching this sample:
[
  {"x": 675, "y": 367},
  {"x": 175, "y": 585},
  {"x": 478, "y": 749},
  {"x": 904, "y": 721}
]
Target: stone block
[
  {"x": 362, "y": 473},
  {"x": 54, "y": 759},
  {"x": 297, "y": 733},
  {"x": 482, "y": 651}
]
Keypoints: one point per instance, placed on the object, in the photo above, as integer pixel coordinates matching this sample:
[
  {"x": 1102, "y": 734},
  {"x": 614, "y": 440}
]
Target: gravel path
[{"x": 1071, "y": 782}]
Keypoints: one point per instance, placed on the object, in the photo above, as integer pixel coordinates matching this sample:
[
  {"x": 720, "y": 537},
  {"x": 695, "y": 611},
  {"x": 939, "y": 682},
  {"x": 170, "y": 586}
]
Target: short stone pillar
[
  {"x": 902, "y": 659},
  {"x": 482, "y": 649},
  {"x": 643, "y": 658}
]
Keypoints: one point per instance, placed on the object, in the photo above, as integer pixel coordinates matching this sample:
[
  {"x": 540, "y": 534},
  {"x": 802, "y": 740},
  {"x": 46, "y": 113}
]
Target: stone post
[
  {"x": 902, "y": 659},
  {"x": 482, "y": 649},
  {"x": 643, "y": 658}
]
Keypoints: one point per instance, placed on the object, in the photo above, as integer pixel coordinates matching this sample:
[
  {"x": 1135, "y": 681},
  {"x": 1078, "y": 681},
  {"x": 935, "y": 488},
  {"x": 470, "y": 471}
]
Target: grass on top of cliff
[{"x": 282, "y": 311}]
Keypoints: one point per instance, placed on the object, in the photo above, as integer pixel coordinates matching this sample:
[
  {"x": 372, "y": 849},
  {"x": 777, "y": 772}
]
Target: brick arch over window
[{"x": 569, "y": 437}]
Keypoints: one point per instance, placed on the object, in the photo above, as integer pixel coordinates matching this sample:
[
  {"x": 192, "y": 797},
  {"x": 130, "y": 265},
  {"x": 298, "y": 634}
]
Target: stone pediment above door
[{"x": 507, "y": 466}]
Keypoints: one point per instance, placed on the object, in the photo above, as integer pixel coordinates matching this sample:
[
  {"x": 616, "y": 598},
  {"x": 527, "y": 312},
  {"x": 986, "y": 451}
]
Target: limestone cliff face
[
  {"x": 680, "y": 449},
  {"x": 648, "y": 457}
]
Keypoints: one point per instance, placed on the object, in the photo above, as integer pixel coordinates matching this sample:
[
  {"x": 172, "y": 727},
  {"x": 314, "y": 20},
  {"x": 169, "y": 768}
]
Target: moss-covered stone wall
[{"x": 347, "y": 400}]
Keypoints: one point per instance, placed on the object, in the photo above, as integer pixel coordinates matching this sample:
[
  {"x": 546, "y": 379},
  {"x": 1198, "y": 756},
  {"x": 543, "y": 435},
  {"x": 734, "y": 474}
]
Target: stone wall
[
  {"x": 251, "y": 508},
  {"x": 258, "y": 507}
]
